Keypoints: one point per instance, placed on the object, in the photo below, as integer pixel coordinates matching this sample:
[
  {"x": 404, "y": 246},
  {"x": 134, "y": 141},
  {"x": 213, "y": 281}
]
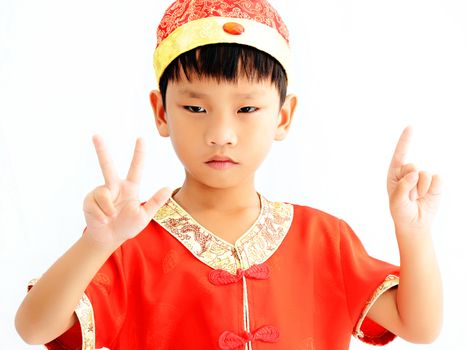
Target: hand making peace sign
[
  {"x": 413, "y": 195},
  {"x": 113, "y": 211}
]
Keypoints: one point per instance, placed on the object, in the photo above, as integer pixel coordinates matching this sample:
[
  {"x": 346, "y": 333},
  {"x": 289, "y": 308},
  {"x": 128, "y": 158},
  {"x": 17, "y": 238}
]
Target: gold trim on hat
[{"x": 210, "y": 31}]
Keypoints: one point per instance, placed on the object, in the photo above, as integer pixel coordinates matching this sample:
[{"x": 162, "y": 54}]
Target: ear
[
  {"x": 285, "y": 117},
  {"x": 159, "y": 112}
]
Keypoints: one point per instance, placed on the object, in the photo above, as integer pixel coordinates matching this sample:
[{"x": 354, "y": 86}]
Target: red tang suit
[{"x": 297, "y": 279}]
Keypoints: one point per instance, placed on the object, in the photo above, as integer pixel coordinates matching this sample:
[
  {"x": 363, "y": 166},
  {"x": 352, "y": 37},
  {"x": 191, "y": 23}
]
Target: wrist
[
  {"x": 412, "y": 229},
  {"x": 102, "y": 246},
  {"x": 413, "y": 242}
]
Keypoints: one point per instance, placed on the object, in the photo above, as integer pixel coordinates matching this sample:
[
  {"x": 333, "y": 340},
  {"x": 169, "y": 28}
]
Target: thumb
[
  {"x": 405, "y": 186},
  {"x": 157, "y": 201}
]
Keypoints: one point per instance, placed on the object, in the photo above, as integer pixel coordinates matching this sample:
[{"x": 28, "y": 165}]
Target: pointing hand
[{"x": 413, "y": 195}]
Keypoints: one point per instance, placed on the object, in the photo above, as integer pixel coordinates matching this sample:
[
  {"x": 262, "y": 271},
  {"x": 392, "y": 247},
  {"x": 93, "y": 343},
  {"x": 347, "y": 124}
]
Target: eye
[
  {"x": 195, "y": 109},
  {"x": 248, "y": 109}
]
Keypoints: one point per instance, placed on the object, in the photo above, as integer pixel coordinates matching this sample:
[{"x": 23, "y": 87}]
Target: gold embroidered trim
[
  {"x": 210, "y": 30},
  {"x": 85, "y": 315},
  {"x": 255, "y": 246},
  {"x": 389, "y": 282}
]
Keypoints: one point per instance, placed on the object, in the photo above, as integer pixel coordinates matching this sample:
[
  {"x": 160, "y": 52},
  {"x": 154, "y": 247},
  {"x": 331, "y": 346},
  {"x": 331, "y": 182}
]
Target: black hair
[{"x": 225, "y": 62}]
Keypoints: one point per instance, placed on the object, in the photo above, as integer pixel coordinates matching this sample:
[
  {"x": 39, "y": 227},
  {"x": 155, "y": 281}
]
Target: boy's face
[{"x": 205, "y": 118}]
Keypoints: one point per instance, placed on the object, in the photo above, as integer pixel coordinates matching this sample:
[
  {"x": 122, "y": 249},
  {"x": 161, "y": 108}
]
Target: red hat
[{"x": 188, "y": 24}]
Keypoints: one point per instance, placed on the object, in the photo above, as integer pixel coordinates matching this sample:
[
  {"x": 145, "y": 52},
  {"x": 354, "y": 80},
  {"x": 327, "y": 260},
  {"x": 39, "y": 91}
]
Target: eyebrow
[
  {"x": 196, "y": 94},
  {"x": 191, "y": 93}
]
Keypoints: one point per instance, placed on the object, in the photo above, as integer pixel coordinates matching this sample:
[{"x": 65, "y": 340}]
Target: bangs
[{"x": 226, "y": 62}]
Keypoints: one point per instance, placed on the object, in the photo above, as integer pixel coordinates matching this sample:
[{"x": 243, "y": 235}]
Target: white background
[{"x": 363, "y": 71}]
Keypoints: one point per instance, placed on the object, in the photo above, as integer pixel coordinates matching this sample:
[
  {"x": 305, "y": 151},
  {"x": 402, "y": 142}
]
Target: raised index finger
[
  {"x": 398, "y": 159},
  {"x": 108, "y": 170}
]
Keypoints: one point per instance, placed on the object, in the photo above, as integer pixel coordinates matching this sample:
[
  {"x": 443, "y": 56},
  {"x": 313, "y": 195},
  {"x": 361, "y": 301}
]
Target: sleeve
[
  {"x": 365, "y": 280},
  {"x": 100, "y": 311}
]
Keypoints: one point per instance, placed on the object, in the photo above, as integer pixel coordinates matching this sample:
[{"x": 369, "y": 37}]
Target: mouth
[
  {"x": 221, "y": 159},
  {"x": 219, "y": 162}
]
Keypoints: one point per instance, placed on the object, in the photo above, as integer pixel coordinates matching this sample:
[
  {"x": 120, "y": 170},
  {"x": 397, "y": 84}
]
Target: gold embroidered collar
[{"x": 255, "y": 246}]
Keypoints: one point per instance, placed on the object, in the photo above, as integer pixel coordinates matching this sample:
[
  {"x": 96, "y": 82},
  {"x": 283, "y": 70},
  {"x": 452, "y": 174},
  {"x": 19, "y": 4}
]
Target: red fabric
[
  {"x": 375, "y": 334},
  {"x": 70, "y": 340},
  {"x": 152, "y": 293},
  {"x": 184, "y": 11}
]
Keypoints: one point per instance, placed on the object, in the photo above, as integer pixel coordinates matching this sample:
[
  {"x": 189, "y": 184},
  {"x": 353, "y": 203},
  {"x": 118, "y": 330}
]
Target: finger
[
  {"x": 107, "y": 167},
  {"x": 413, "y": 195},
  {"x": 398, "y": 158},
  {"x": 136, "y": 167},
  {"x": 157, "y": 201},
  {"x": 406, "y": 169},
  {"x": 90, "y": 207},
  {"x": 396, "y": 174},
  {"x": 424, "y": 182},
  {"x": 405, "y": 187},
  {"x": 104, "y": 200},
  {"x": 436, "y": 184}
]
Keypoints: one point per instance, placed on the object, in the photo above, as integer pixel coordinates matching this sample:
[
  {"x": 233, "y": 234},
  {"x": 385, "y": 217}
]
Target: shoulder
[
  {"x": 323, "y": 225},
  {"x": 316, "y": 226},
  {"x": 322, "y": 234},
  {"x": 307, "y": 215}
]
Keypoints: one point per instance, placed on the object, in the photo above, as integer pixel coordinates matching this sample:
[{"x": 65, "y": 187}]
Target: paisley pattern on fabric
[
  {"x": 254, "y": 247},
  {"x": 184, "y": 11}
]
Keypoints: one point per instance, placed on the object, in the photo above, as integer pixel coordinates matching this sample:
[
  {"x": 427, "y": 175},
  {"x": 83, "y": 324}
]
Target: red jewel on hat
[{"x": 233, "y": 28}]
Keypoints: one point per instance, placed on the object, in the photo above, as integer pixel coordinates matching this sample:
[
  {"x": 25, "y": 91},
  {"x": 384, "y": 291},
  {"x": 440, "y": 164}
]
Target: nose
[{"x": 221, "y": 131}]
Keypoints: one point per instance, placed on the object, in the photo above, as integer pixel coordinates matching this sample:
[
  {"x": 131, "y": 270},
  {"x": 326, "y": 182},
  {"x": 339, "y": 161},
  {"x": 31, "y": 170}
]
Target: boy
[{"x": 214, "y": 264}]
